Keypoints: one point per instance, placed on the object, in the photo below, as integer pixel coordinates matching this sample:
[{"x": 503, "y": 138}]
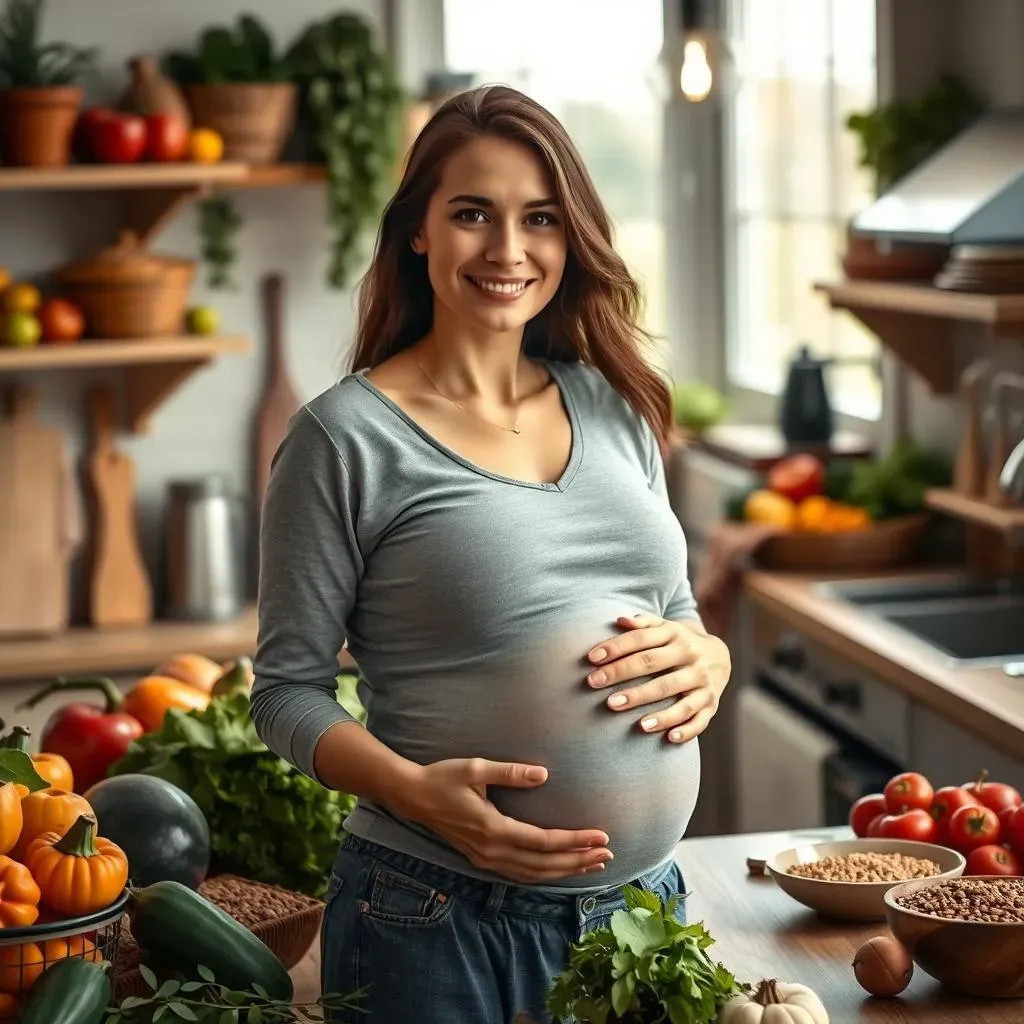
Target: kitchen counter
[
  {"x": 761, "y": 932},
  {"x": 986, "y": 701}
]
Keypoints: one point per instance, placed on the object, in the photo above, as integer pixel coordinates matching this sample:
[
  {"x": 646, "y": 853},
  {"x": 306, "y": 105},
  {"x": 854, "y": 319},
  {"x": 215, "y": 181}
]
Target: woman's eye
[
  {"x": 542, "y": 220},
  {"x": 471, "y": 216}
]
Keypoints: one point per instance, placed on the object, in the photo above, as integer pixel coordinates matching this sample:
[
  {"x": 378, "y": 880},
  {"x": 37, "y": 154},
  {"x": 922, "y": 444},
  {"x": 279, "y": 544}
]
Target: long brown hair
[{"x": 594, "y": 317}]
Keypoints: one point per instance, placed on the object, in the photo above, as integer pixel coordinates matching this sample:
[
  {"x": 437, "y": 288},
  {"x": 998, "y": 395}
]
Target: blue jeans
[{"x": 432, "y": 946}]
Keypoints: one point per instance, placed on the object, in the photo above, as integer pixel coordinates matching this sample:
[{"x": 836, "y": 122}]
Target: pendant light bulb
[{"x": 695, "y": 76}]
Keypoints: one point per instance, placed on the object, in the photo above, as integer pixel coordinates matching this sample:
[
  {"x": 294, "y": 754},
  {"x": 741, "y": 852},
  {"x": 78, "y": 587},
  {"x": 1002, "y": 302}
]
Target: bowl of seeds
[
  {"x": 967, "y": 933},
  {"x": 849, "y": 878}
]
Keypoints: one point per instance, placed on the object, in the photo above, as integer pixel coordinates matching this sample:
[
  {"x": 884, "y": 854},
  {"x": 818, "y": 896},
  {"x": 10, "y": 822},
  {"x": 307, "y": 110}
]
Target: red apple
[
  {"x": 166, "y": 137},
  {"x": 116, "y": 138},
  {"x": 995, "y": 795}
]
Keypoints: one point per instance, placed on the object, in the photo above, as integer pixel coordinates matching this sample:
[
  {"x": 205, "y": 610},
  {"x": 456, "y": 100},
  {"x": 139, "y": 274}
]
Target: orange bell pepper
[{"x": 153, "y": 696}]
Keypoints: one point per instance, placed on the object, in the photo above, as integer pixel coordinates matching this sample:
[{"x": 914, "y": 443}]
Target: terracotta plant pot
[
  {"x": 36, "y": 125},
  {"x": 254, "y": 119},
  {"x": 877, "y": 259}
]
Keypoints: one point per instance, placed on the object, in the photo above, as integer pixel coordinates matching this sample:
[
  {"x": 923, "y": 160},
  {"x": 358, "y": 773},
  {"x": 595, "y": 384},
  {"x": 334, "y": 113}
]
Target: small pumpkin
[
  {"x": 48, "y": 810},
  {"x": 20, "y": 967},
  {"x": 52, "y": 767},
  {"x": 153, "y": 696},
  {"x": 19, "y": 895},
  {"x": 775, "y": 1002},
  {"x": 78, "y": 872},
  {"x": 71, "y": 945},
  {"x": 12, "y": 817},
  {"x": 195, "y": 670}
]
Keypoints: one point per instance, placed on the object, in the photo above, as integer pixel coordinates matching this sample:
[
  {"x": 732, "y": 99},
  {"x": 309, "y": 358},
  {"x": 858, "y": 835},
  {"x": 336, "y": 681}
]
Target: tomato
[
  {"x": 116, "y": 138},
  {"x": 166, "y": 137},
  {"x": 1011, "y": 825},
  {"x": 992, "y": 860},
  {"x": 864, "y": 811},
  {"x": 874, "y": 825},
  {"x": 907, "y": 791},
  {"x": 916, "y": 824},
  {"x": 997, "y": 795},
  {"x": 62, "y": 321},
  {"x": 797, "y": 477},
  {"x": 971, "y": 827},
  {"x": 947, "y": 800}
]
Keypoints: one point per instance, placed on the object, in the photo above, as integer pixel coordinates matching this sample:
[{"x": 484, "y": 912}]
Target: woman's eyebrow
[{"x": 484, "y": 201}]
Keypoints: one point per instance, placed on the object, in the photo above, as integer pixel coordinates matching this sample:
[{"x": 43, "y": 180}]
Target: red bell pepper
[{"x": 90, "y": 738}]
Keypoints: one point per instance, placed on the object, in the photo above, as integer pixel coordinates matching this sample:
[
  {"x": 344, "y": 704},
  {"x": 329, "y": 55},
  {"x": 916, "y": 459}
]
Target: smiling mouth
[{"x": 500, "y": 289}]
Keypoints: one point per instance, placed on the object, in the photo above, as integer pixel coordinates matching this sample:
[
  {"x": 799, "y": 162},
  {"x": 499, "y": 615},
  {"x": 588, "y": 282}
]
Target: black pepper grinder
[{"x": 805, "y": 412}]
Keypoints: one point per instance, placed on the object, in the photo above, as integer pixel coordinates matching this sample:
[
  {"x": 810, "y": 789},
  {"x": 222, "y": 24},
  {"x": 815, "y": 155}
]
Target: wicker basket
[
  {"x": 288, "y": 922},
  {"x": 127, "y": 292},
  {"x": 254, "y": 119},
  {"x": 888, "y": 543}
]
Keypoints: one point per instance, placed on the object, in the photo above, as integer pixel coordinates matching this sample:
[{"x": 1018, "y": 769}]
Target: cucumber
[
  {"x": 178, "y": 928},
  {"x": 71, "y": 991}
]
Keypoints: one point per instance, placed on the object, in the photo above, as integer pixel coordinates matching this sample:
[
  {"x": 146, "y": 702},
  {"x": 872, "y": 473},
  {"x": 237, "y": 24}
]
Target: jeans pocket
[{"x": 399, "y": 898}]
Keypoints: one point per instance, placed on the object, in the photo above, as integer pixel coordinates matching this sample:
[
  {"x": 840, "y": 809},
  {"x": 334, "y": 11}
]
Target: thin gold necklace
[{"x": 514, "y": 429}]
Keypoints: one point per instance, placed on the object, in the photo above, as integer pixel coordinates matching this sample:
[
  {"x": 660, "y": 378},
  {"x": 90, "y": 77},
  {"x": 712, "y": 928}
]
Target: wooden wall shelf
[
  {"x": 917, "y": 321},
  {"x": 153, "y": 368},
  {"x": 1008, "y": 521}
]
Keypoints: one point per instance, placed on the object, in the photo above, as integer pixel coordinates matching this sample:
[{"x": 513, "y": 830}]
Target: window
[
  {"x": 799, "y": 67},
  {"x": 596, "y": 69}
]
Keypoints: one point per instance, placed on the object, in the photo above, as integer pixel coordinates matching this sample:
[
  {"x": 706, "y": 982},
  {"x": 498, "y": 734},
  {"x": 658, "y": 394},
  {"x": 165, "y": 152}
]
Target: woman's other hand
[
  {"x": 684, "y": 661},
  {"x": 450, "y": 798}
]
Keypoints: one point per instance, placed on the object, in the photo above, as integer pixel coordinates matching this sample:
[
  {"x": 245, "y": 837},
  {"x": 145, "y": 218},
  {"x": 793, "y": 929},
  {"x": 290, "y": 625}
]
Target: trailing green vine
[
  {"x": 219, "y": 224},
  {"x": 351, "y": 104}
]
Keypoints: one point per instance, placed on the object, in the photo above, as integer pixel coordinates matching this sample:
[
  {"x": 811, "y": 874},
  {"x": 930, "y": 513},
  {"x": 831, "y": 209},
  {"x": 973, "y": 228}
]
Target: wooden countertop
[
  {"x": 761, "y": 933},
  {"x": 985, "y": 701}
]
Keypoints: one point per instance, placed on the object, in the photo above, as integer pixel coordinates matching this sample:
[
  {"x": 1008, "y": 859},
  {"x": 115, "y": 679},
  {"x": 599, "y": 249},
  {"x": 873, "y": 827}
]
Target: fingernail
[
  {"x": 675, "y": 735},
  {"x": 602, "y": 841},
  {"x": 598, "y": 654},
  {"x": 593, "y": 868},
  {"x": 606, "y": 857},
  {"x": 648, "y": 723},
  {"x": 596, "y": 678},
  {"x": 618, "y": 701}
]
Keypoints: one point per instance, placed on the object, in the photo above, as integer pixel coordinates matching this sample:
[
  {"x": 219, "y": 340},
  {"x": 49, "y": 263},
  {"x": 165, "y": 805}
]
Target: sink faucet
[{"x": 1011, "y": 479}]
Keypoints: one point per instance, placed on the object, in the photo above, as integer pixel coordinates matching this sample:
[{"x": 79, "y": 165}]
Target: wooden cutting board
[
  {"x": 279, "y": 401},
  {"x": 119, "y": 589},
  {"x": 40, "y": 526}
]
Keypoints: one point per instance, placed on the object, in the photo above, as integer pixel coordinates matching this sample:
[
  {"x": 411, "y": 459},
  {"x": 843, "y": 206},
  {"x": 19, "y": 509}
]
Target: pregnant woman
[{"x": 479, "y": 510}]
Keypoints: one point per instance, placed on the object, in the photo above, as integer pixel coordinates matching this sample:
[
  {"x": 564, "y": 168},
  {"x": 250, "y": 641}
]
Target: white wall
[{"x": 205, "y": 426}]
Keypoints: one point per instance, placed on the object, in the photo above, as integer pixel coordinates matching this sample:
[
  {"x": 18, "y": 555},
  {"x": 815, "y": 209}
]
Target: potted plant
[
  {"x": 895, "y": 138},
  {"x": 644, "y": 968},
  {"x": 350, "y": 113},
  {"x": 40, "y": 89},
  {"x": 236, "y": 84}
]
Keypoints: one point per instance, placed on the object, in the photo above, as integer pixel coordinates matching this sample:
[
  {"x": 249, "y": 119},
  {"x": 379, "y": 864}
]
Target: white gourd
[{"x": 775, "y": 1002}]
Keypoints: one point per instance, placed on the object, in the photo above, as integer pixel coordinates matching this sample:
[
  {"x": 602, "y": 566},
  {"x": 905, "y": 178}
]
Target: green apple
[
  {"x": 203, "y": 320},
  {"x": 696, "y": 405},
  {"x": 22, "y": 330}
]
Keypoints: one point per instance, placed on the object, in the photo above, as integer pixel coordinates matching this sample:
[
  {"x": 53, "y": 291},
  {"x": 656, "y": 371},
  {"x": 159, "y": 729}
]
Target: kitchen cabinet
[{"x": 949, "y": 756}]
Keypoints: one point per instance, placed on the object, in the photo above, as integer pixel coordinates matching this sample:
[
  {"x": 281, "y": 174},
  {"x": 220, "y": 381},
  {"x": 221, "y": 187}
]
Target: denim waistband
[{"x": 500, "y": 896}]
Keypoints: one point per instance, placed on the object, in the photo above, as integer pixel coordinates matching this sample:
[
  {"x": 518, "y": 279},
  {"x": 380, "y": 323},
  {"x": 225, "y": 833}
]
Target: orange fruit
[
  {"x": 21, "y": 298},
  {"x": 205, "y": 146},
  {"x": 61, "y": 321}
]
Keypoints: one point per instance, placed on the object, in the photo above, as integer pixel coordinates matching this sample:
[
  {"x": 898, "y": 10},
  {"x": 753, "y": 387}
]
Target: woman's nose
[{"x": 505, "y": 247}]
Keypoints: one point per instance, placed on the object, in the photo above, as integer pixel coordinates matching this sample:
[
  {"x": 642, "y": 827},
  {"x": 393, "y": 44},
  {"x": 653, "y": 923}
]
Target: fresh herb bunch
[
  {"x": 350, "y": 104},
  {"x": 245, "y": 52},
  {"x": 895, "y": 485},
  {"x": 26, "y": 62},
  {"x": 219, "y": 224},
  {"x": 268, "y": 821},
  {"x": 645, "y": 968},
  {"x": 207, "y": 1001}
]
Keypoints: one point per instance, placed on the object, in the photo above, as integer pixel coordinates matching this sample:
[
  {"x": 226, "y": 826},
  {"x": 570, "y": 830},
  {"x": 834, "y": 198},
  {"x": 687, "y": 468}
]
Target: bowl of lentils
[
  {"x": 967, "y": 933},
  {"x": 848, "y": 879}
]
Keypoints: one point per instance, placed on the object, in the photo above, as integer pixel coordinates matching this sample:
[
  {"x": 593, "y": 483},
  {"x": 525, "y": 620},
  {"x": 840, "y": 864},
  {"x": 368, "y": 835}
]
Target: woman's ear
[{"x": 418, "y": 245}]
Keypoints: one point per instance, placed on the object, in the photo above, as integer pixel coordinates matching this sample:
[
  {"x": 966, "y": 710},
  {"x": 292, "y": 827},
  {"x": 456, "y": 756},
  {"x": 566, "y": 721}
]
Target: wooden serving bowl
[
  {"x": 853, "y": 901},
  {"x": 971, "y": 958}
]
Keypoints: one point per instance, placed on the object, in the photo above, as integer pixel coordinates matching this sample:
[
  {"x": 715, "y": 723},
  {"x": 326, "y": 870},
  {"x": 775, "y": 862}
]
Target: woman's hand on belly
[
  {"x": 450, "y": 798},
  {"x": 693, "y": 666}
]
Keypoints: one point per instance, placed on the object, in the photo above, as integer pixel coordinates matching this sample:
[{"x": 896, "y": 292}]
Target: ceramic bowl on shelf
[
  {"x": 854, "y": 901},
  {"x": 972, "y": 958}
]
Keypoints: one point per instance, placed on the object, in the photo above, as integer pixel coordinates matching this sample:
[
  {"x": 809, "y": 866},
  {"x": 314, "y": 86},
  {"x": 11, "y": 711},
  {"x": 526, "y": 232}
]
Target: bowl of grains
[
  {"x": 967, "y": 933},
  {"x": 849, "y": 878}
]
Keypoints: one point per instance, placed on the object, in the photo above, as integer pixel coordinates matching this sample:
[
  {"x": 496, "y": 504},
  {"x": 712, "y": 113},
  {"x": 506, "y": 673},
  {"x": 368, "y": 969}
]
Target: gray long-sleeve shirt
[{"x": 469, "y": 601}]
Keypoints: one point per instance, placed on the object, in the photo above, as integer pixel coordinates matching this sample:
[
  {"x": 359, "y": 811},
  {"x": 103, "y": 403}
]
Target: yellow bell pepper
[{"x": 764, "y": 506}]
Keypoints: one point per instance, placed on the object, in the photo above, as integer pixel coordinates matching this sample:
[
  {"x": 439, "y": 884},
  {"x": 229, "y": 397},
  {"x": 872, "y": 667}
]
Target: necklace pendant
[{"x": 516, "y": 430}]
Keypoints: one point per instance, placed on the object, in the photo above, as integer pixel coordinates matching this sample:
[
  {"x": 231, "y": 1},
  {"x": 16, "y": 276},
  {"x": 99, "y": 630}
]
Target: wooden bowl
[
  {"x": 968, "y": 957},
  {"x": 853, "y": 901},
  {"x": 887, "y": 543}
]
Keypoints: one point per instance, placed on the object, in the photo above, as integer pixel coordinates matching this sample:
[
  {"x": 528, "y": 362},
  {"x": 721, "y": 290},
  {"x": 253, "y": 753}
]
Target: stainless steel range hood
[{"x": 970, "y": 191}]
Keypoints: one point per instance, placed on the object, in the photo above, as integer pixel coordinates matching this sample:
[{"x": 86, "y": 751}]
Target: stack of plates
[{"x": 994, "y": 269}]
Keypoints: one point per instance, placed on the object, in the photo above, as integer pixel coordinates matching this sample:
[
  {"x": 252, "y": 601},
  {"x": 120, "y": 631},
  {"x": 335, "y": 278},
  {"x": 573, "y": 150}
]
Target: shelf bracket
[
  {"x": 925, "y": 344},
  {"x": 147, "y": 386},
  {"x": 147, "y": 211}
]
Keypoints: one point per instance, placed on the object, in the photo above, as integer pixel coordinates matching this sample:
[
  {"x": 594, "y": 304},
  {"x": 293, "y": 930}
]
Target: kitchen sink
[{"x": 969, "y": 622}]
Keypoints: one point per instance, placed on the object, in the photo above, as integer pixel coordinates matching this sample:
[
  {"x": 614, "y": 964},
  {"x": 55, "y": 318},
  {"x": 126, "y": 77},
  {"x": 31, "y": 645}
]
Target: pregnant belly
[{"x": 603, "y": 772}]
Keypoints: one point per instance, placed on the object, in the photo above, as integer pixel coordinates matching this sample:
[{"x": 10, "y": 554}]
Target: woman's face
[{"x": 493, "y": 237}]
